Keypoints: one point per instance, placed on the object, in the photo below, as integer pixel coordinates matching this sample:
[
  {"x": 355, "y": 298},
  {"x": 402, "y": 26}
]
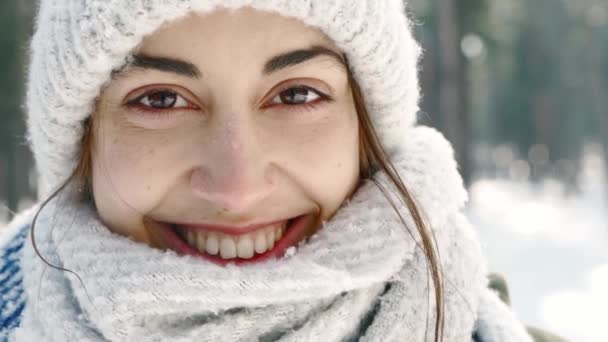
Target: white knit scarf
[{"x": 362, "y": 277}]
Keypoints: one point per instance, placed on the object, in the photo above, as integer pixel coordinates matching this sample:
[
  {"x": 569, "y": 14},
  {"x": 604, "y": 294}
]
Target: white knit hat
[{"x": 78, "y": 43}]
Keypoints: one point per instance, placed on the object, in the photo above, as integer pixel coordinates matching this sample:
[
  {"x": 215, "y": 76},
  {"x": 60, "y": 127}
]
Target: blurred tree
[
  {"x": 452, "y": 95},
  {"x": 530, "y": 107},
  {"x": 551, "y": 91},
  {"x": 522, "y": 73},
  {"x": 15, "y": 160},
  {"x": 444, "y": 79}
]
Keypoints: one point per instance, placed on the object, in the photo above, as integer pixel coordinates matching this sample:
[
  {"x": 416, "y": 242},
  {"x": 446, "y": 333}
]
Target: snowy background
[{"x": 551, "y": 245}]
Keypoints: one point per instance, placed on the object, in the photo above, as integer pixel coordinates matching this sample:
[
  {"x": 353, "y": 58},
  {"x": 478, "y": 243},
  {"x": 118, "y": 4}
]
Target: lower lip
[{"x": 295, "y": 231}]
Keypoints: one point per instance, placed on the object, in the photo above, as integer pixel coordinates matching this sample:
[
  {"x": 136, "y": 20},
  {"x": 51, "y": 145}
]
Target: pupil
[
  {"x": 162, "y": 99},
  {"x": 294, "y": 95}
]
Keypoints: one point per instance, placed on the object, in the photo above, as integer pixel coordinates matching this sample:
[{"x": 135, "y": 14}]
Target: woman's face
[{"x": 231, "y": 136}]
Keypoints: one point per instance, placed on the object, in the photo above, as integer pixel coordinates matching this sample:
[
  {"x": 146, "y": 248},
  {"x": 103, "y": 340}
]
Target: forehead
[{"x": 233, "y": 34}]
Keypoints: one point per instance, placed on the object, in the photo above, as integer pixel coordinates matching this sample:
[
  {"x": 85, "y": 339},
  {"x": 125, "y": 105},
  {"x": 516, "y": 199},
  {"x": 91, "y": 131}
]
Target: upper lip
[{"x": 230, "y": 230}]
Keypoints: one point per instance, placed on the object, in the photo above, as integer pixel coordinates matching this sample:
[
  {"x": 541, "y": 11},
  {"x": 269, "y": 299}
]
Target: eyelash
[{"x": 137, "y": 105}]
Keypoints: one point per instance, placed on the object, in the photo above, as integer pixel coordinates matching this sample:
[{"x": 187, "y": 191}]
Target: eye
[
  {"x": 161, "y": 100},
  {"x": 296, "y": 96}
]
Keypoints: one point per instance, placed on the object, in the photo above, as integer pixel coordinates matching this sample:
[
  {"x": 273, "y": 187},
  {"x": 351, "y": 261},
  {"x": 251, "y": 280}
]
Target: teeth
[
  {"x": 270, "y": 239},
  {"x": 244, "y": 248},
  {"x": 260, "y": 242},
  {"x": 200, "y": 242},
  {"x": 212, "y": 246},
  {"x": 228, "y": 247},
  {"x": 279, "y": 233},
  {"x": 191, "y": 238}
]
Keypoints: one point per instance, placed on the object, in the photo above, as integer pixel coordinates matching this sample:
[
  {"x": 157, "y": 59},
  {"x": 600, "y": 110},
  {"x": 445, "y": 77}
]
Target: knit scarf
[{"x": 362, "y": 276}]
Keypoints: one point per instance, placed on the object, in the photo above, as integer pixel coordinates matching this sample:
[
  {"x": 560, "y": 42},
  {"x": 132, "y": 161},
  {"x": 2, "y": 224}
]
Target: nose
[{"x": 234, "y": 174}]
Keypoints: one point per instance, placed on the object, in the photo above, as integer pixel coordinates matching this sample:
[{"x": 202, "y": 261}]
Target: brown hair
[{"x": 372, "y": 159}]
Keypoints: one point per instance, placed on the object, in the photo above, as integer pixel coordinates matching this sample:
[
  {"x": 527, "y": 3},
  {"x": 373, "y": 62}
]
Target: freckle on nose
[{"x": 231, "y": 135}]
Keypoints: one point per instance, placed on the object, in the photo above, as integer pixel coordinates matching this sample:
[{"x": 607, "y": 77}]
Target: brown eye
[
  {"x": 162, "y": 100},
  {"x": 296, "y": 96}
]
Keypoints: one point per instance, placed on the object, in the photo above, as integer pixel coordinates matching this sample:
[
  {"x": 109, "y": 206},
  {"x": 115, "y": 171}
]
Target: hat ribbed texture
[{"x": 77, "y": 44}]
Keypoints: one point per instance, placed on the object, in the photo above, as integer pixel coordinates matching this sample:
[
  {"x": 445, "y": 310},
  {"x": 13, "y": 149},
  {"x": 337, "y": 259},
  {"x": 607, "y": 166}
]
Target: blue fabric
[{"x": 12, "y": 297}]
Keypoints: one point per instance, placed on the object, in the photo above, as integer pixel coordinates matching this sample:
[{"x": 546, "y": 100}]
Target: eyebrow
[
  {"x": 172, "y": 65},
  {"x": 183, "y": 68},
  {"x": 292, "y": 58}
]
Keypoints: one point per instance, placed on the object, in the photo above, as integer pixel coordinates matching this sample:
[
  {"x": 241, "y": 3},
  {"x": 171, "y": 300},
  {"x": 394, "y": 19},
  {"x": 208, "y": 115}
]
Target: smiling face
[{"x": 231, "y": 136}]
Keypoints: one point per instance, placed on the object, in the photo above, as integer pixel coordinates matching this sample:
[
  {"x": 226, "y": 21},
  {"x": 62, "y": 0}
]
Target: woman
[{"x": 240, "y": 170}]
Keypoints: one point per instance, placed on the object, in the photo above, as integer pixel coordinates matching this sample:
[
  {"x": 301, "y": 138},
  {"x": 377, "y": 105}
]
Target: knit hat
[{"x": 78, "y": 43}]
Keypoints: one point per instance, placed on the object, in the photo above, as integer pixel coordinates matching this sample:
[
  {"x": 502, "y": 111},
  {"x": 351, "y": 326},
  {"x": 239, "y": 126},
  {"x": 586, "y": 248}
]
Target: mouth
[{"x": 254, "y": 245}]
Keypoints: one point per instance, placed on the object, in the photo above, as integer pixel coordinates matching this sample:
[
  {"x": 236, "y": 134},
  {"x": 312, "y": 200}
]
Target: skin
[{"x": 233, "y": 148}]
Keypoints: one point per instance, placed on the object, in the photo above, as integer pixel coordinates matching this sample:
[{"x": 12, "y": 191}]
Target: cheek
[
  {"x": 127, "y": 177},
  {"x": 325, "y": 160}
]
